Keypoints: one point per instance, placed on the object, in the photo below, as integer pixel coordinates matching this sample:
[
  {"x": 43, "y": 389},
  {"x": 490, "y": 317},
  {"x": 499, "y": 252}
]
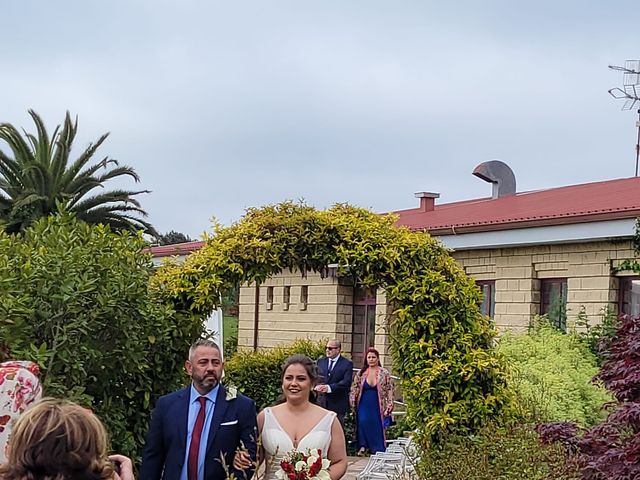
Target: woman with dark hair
[
  {"x": 60, "y": 440},
  {"x": 298, "y": 423},
  {"x": 372, "y": 397}
]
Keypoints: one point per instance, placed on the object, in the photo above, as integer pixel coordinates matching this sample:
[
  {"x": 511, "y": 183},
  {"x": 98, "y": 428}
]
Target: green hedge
[
  {"x": 75, "y": 299},
  {"x": 495, "y": 453},
  {"x": 257, "y": 374},
  {"x": 551, "y": 373}
]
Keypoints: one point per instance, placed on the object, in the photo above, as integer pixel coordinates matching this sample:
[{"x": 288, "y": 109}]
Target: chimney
[
  {"x": 427, "y": 200},
  {"x": 500, "y": 175}
]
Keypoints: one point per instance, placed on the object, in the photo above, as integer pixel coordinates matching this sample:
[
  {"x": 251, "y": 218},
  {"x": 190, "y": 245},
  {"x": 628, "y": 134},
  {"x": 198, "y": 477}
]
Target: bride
[{"x": 297, "y": 423}]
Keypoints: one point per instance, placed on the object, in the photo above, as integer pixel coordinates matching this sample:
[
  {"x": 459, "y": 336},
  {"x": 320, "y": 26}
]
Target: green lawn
[{"x": 230, "y": 330}]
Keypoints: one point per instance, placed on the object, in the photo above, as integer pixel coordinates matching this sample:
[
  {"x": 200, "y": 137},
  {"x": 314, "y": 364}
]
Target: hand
[
  {"x": 242, "y": 460},
  {"x": 321, "y": 388},
  {"x": 126, "y": 467}
]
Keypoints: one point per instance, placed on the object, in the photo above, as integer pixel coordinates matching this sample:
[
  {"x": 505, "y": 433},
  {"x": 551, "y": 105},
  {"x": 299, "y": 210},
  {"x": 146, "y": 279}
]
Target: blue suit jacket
[
  {"x": 340, "y": 382},
  {"x": 233, "y": 422}
]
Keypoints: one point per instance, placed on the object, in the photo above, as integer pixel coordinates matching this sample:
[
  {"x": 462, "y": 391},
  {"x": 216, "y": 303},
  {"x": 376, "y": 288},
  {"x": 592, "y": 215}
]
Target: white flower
[
  {"x": 311, "y": 460},
  {"x": 232, "y": 393},
  {"x": 322, "y": 474},
  {"x": 300, "y": 466}
]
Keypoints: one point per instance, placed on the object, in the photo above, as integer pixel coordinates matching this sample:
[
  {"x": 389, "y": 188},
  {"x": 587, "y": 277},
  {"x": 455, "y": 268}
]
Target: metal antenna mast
[{"x": 630, "y": 93}]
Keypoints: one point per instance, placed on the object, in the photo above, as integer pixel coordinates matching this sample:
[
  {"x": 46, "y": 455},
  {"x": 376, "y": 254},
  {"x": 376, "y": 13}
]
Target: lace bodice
[{"x": 276, "y": 442}]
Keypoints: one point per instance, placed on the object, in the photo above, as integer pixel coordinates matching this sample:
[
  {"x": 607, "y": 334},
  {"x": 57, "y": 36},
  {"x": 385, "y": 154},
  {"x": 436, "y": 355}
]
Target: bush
[
  {"x": 257, "y": 374},
  {"x": 551, "y": 373},
  {"x": 75, "y": 299},
  {"x": 495, "y": 453},
  {"x": 597, "y": 337},
  {"x": 611, "y": 449}
]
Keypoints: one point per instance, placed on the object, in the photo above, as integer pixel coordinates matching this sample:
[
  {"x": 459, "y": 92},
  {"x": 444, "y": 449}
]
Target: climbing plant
[
  {"x": 442, "y": 347},
  {"x": 631, "y": 264}
]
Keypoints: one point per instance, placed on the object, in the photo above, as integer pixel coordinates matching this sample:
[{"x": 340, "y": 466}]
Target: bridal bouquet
[{"x": 307, "y": 465}]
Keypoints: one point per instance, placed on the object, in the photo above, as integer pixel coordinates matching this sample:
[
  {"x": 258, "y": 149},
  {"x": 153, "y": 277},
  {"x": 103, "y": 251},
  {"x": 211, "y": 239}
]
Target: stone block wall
[
  {"x": 518, "y": 271},
  {"x": 327, "y": 313}
]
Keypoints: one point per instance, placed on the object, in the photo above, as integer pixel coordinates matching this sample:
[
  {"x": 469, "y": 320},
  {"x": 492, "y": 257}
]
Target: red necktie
[{"x": 194, "y": 447}]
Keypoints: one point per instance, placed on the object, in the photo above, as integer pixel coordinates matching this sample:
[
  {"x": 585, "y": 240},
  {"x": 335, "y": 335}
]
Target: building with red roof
[{"x": 551, "y": 251}]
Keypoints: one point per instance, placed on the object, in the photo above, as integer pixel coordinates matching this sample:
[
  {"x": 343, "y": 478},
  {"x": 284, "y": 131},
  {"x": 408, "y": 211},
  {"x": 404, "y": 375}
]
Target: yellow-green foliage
[
  {"x": 442, "y": 346},
  {"x": 257, "y": 374},
  {"x": 496, "y": 452},
  {"x": 551, "y": 372},
  {"x": 75, "y": 299}
]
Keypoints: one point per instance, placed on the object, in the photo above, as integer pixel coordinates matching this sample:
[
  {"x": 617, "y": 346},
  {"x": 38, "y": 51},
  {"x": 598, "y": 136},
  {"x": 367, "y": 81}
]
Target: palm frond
[
  {"x": 74, "y": 171},
  {"x": 37, "y": 178},
  {"x": 111, "y": 196}
]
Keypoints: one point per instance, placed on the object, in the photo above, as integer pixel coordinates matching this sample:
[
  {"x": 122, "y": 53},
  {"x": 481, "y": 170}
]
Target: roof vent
[
  {"x": 427, "y": 200},
  {"x": 500, "y": 175}
]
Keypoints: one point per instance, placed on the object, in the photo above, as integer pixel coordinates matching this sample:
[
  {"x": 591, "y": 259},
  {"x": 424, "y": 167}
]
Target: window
[
  {"x": 304, "y": 297},
  {"x": 269, "y": 298},
  {"x": 286, "y": 298},
  {"x": 553, "y": 301},
  {"x": 364, "y": 323},
  {"x": 629, "y": 296},
  {"x": 488, "y": 288}
]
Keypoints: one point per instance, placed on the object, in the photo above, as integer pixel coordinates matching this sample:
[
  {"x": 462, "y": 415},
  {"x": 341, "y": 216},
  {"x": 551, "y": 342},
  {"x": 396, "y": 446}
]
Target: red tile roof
[
  {"x": 612, "y": 199},
  {"x": 175, "y": 249},
  {"x": 607, "y": 200}
]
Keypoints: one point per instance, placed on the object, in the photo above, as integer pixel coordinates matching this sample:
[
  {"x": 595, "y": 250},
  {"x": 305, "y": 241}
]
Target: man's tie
[
  {"x": 331, "y": 365},
  {"x": 194, "y": 447}
]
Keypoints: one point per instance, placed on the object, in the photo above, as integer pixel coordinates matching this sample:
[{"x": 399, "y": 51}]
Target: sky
[{"x": 221, "y": 106}]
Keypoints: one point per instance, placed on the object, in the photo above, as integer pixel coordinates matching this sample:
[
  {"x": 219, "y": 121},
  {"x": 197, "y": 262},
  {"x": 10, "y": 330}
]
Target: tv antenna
[{"x": 630, "y": 93}]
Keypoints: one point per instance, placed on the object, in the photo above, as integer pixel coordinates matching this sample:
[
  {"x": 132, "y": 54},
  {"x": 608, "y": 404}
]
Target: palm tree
[{"x": 40, "y": 180}]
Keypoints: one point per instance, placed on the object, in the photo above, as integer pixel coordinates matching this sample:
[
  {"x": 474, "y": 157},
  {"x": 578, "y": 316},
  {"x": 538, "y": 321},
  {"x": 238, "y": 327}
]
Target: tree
[
  {"x": 74, "y": 298},
  {"x": 172, "y": 237},
  {"x": 39, "y": 180}
]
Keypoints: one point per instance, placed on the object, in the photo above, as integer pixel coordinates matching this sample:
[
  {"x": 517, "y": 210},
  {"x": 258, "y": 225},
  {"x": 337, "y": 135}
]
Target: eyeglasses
[{"x": 330, "y": 348}]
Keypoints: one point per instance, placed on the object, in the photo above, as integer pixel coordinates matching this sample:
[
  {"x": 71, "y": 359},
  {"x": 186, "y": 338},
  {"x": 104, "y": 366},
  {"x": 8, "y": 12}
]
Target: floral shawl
[
  {"x": 19, "y": 388},
  {"x": 385, "y": 390}
]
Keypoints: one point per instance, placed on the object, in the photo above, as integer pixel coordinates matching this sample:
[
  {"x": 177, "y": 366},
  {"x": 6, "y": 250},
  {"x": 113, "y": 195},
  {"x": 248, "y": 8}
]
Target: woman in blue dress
[{"x": 372, "y": 398}]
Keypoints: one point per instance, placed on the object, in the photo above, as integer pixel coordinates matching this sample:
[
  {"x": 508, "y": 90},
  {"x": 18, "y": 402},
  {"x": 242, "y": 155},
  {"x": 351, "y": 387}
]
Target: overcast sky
[{"x": 221, "y": 106}]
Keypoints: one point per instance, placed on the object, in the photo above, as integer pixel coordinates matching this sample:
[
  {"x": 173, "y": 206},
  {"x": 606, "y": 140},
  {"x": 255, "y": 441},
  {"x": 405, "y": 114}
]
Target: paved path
[{"x": 354, "y": 466}]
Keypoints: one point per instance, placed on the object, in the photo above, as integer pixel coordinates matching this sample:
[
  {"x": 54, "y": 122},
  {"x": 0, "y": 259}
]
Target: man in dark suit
[
  {"x": 336, "y": 373},
  {"x": 196, "y": 430}
]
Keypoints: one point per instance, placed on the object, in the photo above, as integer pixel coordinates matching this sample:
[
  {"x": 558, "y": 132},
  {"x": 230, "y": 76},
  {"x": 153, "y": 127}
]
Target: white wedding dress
[{"x": 277, "y": 443}]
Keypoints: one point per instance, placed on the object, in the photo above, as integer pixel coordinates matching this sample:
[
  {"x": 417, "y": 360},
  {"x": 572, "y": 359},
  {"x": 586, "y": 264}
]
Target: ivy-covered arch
[{"x": 441, "y": 345}]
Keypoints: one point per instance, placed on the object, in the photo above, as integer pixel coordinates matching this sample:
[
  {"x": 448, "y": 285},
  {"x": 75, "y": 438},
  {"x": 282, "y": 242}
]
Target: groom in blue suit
[{"x": 195, "y": 432}]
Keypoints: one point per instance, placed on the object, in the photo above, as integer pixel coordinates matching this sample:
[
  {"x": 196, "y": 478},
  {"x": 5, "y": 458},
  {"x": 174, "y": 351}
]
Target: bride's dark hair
[{"x": 310, "y": 368}]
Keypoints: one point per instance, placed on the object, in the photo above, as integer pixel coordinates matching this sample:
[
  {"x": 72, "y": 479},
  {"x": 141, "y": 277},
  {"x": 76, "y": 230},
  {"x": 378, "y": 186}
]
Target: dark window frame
[
  {"x": 492, "y": 296},
  {"x": 546, "y": 303},
  {"x": 269, "y": 298},
  {"x": 304, "y": 297},
  {"x": 286, "y": 297},
  {"x": 622, "y": 282}
]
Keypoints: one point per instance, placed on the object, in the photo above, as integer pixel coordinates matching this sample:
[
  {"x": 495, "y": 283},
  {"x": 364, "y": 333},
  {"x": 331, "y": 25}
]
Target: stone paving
[{"x": 354, "y": 466}]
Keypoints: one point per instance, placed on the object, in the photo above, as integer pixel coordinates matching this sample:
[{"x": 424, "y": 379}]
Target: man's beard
[{"x": 207, "y": 383}]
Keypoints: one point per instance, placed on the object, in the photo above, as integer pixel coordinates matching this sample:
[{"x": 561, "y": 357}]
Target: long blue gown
[{"x": 370, "y": 431}]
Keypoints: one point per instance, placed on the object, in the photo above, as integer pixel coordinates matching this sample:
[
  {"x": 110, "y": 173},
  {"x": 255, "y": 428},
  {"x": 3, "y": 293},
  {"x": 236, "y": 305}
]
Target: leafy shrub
[
  {"x": 257, "y": 374},
  {"x": 611, "y": 450},
  {"x": 551, "y": 373},
  {"x": 495, "y": 453},
  {"x": 75, "y": 299},
  {"x": 597, "y": 337}
]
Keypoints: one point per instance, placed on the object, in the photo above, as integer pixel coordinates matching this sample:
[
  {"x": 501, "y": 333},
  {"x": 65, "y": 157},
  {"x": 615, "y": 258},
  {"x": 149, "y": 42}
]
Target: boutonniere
[{"x": 232, "y": 392}]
